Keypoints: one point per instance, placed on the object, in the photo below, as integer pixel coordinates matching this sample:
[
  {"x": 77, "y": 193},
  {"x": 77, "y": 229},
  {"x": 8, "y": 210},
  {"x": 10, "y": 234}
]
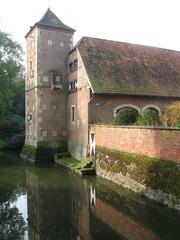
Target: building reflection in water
[{"x": 64, "y": 206}]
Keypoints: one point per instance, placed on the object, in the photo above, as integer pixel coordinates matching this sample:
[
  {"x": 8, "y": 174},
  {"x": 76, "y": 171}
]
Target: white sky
[{"x": 147, "y": 22}]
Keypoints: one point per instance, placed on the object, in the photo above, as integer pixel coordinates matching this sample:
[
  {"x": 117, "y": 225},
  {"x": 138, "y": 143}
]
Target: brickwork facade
[
  {"x": 153, "y": 142},
  {"x": 46, "y": 100},
  {"x": 78, "y": 130},
  {"x": 103, "y": 107},
  {"x": 64, "y": 92}
]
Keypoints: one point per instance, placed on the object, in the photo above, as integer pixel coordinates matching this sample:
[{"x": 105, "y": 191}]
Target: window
[
  {"x": 73, "y": 86},
  {"x": 31, "y": 70},
  {"x": 50, "y": 42},
  {"x": 70, "y": 67},
  {"x": 73, "y": 114},
  {"x": 56, "y": 81},
  {"x": 44, "y": 133},
  {"x": 73, "y": 66},
  {"x": 29, "y": 117}
]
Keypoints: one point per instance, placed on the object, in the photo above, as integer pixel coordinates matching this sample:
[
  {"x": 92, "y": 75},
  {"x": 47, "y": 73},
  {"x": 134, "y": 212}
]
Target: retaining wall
[{"x": 161, "y": 143}]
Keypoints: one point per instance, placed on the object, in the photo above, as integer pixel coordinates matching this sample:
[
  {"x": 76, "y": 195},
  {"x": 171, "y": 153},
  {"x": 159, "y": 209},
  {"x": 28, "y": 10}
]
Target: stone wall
[
  {"x": 161, "y": 143},
  {"x": 156, "y": 179}
]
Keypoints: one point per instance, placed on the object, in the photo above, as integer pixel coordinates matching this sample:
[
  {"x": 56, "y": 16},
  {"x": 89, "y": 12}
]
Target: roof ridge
[{"x": 129, "y": 43}]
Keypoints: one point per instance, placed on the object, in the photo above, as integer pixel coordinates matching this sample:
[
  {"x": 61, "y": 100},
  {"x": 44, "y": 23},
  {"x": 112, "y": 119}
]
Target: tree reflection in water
[{"x": 12, "y": 224}]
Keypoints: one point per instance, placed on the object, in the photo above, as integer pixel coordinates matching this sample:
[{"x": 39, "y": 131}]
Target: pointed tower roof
[{"x": 49, "y": 19}]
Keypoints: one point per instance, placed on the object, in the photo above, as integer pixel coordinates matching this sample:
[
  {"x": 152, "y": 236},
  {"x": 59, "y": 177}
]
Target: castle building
[{"x": 70, "y": 87}]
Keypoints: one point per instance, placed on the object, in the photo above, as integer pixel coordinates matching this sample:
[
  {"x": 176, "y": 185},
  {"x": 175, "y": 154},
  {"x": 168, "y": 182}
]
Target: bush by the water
[
  {"x": 150, "y": 117},
  {"x": 126, "y": 116},
  {"x": 11, "y": 132}
]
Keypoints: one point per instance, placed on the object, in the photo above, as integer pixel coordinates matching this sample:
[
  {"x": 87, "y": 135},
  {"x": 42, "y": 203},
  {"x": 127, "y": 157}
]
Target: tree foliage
[
  {"x": 172, "y": 114},
  {"x": 150, "y": 117},
  {"x": 10, "y": 65},
  {"x": 126, "y": 116}
]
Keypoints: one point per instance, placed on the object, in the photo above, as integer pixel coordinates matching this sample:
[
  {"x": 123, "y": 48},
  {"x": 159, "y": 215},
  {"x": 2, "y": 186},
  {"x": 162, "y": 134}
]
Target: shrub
[
  {"x": 126, "y": 116},
  {"x": 172, "y": 114},
  {"x": 150, "y": 117},
  {"x": 11, "y": 132},
  {"x": 2, "y": 144},
  {"x": 16, "y": 142},
  {"x": 11, "y": 124}
]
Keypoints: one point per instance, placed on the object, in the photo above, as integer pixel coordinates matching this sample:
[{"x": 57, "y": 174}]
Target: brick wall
[
  {"x": 122, "y": 223},
  {"x": 102, "y": 106},
  {"x": 161, "y": 143},
  {"x": 78, "y": 130},
  {"x": 47, "y": 51}
]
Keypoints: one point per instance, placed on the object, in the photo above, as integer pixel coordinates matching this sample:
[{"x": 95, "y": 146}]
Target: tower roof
[{"x": 49, "y": 19}]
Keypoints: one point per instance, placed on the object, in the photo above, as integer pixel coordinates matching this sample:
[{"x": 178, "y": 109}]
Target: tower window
[
  {"x": 73, "y": 114},
  {"x": 31, "y": 69},
  {"x": 29, "y": 117},
  {"x": 56, "y": 81},
  {"x": 49, "y": 42}
]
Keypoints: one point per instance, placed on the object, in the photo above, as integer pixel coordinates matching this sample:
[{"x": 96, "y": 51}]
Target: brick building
[{"x": 69, "y": 87}]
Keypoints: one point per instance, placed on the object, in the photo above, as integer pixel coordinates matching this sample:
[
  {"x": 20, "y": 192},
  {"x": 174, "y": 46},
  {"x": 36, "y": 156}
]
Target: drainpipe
[{"x": 89, "y": 118}]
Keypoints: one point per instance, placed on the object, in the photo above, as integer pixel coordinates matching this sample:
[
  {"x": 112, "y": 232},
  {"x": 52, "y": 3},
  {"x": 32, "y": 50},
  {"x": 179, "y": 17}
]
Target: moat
[{"x": 45, "y": 202}]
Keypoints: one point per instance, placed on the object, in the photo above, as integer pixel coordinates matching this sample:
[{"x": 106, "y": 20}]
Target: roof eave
[
  {"x": 135, "y": 94},
  {"x": 50, "y": 27}
]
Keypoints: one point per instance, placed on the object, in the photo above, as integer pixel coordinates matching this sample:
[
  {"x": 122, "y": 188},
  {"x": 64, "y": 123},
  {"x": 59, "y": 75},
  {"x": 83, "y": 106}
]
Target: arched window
[
  {"x": 152, "y": 106},
  {"x": 125, "y": 115},
  {"x": 116, "y": 109}
]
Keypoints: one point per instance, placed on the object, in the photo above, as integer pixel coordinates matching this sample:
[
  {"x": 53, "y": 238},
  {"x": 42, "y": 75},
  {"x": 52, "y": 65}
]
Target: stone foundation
[
  {"x": 43, "y": 153},
  {"x": 156, "y": 179}
]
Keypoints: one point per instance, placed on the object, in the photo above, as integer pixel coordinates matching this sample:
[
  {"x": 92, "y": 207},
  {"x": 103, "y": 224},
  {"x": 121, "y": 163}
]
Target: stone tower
[{"x": 48, "y": 44}]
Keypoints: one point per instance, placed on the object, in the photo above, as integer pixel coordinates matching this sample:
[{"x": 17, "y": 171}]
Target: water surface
[{"x": 44, "y": 203}]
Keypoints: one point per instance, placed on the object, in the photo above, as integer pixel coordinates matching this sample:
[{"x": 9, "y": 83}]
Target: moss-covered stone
[
  {"x": 154, "y": 173},
  {"x": 39, "y": 154}
]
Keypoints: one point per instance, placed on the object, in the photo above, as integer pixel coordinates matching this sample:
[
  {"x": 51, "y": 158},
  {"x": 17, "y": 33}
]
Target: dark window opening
[
  {"x": 73, "y": 114},
  {"x": 73, "y": 66},
  {"x": 55, "y": 80},
  {"x": 73, "y": 86}
]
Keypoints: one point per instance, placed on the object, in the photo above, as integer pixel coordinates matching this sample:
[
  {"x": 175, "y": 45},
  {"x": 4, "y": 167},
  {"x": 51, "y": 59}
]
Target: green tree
[
  {"x": 10, "y": 65},
  {"x": 150, "y": 117},
  {"x": 126, "y": 116},
  {"x": 172, "y": 114}
]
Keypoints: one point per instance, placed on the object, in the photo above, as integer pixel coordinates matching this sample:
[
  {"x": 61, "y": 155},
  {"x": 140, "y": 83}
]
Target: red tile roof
[{"x": 130, "y": 69}]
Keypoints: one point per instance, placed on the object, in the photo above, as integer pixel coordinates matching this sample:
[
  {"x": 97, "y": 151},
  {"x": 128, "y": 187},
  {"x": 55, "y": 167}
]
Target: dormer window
[{"x": 55, "y": 80}]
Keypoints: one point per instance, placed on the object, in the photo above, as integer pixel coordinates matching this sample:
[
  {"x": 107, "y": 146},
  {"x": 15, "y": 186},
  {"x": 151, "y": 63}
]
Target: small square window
[
  {"x": 29, "y": 117},
  {"x": 44, "y": 107},
  {"x": 44, "y": 133},
  {"x": 49, "y": 42},
  {"x": 54, "y": 133},
  {"x": 56, "y": 80},
  {"x": 54, "y": 107}
]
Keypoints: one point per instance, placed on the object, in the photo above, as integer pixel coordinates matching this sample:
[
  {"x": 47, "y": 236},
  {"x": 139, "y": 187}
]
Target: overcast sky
[{"x": 147, "y": 22}]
